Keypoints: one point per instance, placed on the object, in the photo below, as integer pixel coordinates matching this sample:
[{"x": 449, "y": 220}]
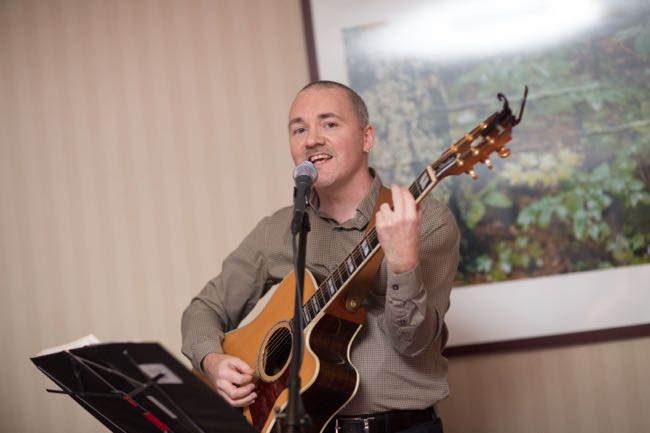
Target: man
[{"x": 398, "y": 351}]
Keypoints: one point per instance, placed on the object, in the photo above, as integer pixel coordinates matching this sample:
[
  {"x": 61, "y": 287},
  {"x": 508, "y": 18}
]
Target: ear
[{"x": 368, "y": 138}]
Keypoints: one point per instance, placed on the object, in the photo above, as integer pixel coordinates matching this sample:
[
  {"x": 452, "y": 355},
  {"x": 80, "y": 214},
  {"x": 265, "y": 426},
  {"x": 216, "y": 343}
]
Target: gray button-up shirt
[{"x": 398, "y": 350}]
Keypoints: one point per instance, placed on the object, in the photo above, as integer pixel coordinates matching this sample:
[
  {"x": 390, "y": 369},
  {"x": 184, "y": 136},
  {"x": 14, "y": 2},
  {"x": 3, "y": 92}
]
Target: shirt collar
[{"x": 364, "y": 209}]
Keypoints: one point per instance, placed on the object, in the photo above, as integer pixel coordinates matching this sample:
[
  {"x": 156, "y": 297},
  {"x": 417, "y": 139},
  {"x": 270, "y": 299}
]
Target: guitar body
[{"x": 328, "y": 379}]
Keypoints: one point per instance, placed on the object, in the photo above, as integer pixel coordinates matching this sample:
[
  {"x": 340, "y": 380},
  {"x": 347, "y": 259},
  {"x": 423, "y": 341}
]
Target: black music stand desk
[{"x": 140, "y": 388}]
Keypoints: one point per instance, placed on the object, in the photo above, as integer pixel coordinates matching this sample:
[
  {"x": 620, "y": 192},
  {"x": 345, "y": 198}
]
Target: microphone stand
[{"x": 295, "y": 418}]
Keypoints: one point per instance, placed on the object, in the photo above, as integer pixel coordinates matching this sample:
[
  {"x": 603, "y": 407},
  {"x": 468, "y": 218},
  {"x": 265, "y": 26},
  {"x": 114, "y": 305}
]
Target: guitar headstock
[{"x": 488, "y": 137}]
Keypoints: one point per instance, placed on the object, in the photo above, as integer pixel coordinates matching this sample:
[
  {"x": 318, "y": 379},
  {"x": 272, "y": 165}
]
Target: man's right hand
[{"x": 232, "y": 377}]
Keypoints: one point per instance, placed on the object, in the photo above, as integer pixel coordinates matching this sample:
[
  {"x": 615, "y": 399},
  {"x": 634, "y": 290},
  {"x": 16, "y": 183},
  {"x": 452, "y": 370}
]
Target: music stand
[{"x": 140, "y": 388}]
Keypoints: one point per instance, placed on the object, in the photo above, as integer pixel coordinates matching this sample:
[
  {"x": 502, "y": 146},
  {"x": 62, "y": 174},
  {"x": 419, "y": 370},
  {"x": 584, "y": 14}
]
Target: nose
[{"x": 314, "y": 139}]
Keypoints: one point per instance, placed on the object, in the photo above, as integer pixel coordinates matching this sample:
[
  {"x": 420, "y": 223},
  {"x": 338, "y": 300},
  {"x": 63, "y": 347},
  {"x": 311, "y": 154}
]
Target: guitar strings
[{"x": 279, "y": 345}]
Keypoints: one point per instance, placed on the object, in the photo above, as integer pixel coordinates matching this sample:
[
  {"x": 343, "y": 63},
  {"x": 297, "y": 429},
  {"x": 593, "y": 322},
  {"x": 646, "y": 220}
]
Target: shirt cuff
[
  {"x": 404, "y": 286},
  {"x": 201, "y": 350}
]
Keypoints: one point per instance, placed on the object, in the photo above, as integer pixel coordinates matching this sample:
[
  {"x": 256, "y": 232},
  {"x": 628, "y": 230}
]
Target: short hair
[{"x": 354, "y": 98}]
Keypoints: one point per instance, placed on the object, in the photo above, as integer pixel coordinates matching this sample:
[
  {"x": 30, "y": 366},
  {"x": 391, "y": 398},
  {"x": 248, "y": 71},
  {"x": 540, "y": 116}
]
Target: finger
[
  {"x": 225, "y": 397},
  {"x": 232, "y": 372},
  {"x": 241, "y": 366},
  {"x": 379, "y": 218},
  {"x": 246, "y": 401},
  {"x": 234, "y": 376},
  {"x": 233, "y": 391},
  {"x": 238, "y": 402},
  {"x": 237, "y": 392},
  {"x": 238, "y": 379},
  {"x": 398, "y": 199},
  {"x": 385, "y": 212},
  {"x": 410, "y": 208}
]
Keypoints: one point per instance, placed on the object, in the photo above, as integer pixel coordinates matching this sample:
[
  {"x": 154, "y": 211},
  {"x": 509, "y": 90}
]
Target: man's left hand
[{"x": 398, "y": 230}]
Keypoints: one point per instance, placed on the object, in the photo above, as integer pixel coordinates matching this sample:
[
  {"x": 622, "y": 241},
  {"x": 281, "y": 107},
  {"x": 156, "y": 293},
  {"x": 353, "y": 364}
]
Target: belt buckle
[{"x": 366, "y": 426}]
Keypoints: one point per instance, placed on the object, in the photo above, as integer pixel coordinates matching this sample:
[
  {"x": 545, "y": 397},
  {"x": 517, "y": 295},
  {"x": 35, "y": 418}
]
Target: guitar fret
[
  {"x": 338, "y": 281},
  {"x": 330, "y": 287},
  {"x": 415, "y": 190},
  {"x": 306, "y": 313},
  {"x": 319, "y": 300},
  {"x": 343, "y": 272},
  {"x": 423, "y": 181},
  {"x": 351, "y": 265},
  {"x": 372, "y": 238},
  {"x": 358, "y": 257},
  {"x": 324, "y": 296},
  {"x": 316, "y": 299},
  {"x": 365, "y": 248},
  {"x": 313, "y": 307}
]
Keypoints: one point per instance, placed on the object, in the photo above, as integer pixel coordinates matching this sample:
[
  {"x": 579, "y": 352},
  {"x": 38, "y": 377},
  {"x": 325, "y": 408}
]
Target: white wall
[{"x": 139, "y": 142}]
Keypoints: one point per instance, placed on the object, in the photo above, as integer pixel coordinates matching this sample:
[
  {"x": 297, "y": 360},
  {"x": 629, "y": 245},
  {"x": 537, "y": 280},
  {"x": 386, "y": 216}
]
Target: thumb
[{"x": 241, "y": 366}]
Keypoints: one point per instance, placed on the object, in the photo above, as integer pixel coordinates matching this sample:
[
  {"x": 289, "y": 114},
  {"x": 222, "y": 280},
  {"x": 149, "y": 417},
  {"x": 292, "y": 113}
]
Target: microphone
[{"x": 304, "y": 175}]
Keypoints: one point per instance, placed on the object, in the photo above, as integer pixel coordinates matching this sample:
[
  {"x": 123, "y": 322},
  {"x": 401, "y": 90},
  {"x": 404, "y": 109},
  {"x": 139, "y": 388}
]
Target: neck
[{"x": 341, "y": 202}]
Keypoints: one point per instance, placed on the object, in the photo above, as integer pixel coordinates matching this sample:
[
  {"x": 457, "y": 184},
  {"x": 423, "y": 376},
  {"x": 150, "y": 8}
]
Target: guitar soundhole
[{"x": 277, "y": 352}]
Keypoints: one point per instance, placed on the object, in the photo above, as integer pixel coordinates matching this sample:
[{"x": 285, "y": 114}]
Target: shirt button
[
  {"x": 401, "y": 322},
  {"x": 395, "y": 287}
]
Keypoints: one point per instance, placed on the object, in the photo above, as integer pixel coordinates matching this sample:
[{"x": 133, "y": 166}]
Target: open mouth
[{"x": 319, "y": 158}]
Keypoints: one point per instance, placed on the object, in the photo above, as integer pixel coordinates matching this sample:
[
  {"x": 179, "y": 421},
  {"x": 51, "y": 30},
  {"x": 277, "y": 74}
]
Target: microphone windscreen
[{"x": 305, "y": 168}]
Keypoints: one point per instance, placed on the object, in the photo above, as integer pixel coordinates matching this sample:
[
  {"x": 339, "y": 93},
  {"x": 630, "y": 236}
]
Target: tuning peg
[
  {"x": 475, "y": 152},
  {"x": 460, "y": 162},
  {"x": 504, "y": 152},
  {"x": 472, "y": 174},
  {"x": 469, "y": 137},
  {"x": 489, "y": 140},
  {"x": 488, "y": 163},
  {"x": 482, "y": 125}
]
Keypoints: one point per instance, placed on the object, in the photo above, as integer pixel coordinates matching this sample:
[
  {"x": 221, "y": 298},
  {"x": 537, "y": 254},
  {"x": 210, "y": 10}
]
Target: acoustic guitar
[{"x": 332, "y": 310}]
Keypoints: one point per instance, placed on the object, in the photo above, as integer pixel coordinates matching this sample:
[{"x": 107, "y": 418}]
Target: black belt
[{"x": 385, "y": 422}]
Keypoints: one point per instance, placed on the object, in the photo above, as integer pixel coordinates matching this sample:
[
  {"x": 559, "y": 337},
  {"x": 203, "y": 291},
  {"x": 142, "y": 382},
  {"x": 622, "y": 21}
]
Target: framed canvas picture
[{"x": 556, "y": 238}]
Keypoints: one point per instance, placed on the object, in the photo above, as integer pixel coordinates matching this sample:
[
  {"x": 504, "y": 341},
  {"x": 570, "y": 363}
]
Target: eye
[
  {"x": 297, "y": 131},
  {"x": 331, "y": 124}
]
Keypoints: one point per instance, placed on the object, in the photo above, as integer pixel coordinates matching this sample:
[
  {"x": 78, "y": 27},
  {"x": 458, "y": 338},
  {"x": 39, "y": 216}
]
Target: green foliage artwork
[{"x": 575, "y": 193}]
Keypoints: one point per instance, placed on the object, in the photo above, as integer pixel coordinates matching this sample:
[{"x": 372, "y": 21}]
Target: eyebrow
[{"x": 321, "y": 116}]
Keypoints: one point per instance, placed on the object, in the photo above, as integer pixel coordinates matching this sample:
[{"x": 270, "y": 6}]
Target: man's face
[{"x": 324, "y": 129}]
